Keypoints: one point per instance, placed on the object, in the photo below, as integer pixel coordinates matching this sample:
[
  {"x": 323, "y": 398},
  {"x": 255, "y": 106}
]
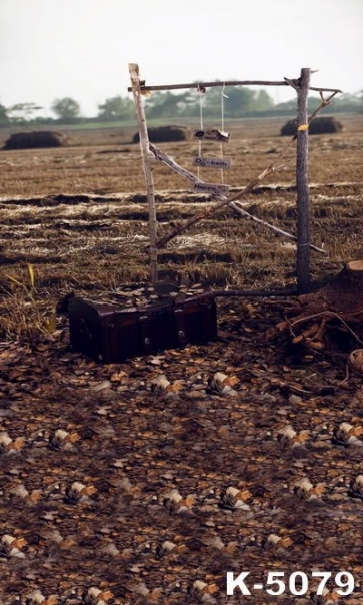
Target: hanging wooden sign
[
  {"x": 212, "y": 135},
  {"x": 212, "y": 188},
  {"x": 211, "y": 162}
]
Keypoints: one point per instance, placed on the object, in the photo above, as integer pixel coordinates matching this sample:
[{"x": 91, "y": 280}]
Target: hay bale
[
  {"x": 326, "y": 125},
  {"x": 165, "y": 134},
  {"x": 36, "y": 138},
  {"x": 289, "y": 129}
]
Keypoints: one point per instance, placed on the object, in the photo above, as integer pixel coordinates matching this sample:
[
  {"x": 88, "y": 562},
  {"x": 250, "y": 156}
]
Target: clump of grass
[
  {"x": 31, "y": 276},
  {"x": 25, "y": 310}
]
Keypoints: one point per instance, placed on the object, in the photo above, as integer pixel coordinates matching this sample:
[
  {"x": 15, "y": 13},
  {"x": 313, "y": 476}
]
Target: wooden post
[
  {"x": 302, "y": 185},
  {"x": 146, "y": 161}
]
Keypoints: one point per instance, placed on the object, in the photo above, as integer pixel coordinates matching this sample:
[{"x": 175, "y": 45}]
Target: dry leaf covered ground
[{"x": 147, "y": 481}]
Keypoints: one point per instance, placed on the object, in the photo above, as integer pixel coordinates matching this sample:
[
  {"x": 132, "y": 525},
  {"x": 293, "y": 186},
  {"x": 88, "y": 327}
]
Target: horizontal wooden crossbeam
[{"x": 204, "y": 85}]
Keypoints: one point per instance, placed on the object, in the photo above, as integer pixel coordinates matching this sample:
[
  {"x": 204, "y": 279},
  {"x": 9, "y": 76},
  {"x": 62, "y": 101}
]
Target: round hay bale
[
  {"x": 326, "y": 125},
  {"x": 165, "y": 134},
  {"x": 289, "y": 129},
  {"x": 36, "y": 138}
]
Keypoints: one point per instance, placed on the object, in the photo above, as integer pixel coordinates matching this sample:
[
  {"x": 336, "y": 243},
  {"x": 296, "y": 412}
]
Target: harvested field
[{"x": 152, "y": 494}]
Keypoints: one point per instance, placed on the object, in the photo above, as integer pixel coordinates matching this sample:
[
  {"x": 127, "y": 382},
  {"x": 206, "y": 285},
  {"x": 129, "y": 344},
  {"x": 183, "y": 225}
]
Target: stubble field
[{"x": 76, "y": 219}]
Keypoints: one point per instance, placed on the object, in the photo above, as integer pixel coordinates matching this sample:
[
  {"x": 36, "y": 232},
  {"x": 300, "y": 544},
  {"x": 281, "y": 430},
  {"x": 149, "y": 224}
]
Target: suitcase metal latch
[
  {"x": 144, "y": 323},
  {"x": 179, "y": 315}
]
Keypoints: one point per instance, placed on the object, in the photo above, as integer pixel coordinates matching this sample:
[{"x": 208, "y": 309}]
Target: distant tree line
[{"x": 236, "y": 102}]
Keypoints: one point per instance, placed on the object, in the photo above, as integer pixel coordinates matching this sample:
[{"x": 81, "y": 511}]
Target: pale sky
[{"x": 81, "y": 48}]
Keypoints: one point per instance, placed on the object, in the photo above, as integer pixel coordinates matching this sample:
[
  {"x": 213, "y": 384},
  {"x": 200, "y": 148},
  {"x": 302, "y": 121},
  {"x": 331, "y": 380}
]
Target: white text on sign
[
  {"x": 211, "y": 162},
  {"x": 296, "y": 583}
]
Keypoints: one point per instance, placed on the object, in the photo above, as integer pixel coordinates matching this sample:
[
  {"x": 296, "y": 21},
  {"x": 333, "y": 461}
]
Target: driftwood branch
[
  {"x": 161, "y": 156},
  {"x": 223, "y": 200},
  {"x": 204, "y": 85}
]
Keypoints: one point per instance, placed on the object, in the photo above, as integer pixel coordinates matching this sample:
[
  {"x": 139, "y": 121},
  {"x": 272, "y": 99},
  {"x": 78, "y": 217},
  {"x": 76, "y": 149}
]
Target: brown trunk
[
  {"x": 338, "y": 304},
  {"x": 343, "y": 294}
]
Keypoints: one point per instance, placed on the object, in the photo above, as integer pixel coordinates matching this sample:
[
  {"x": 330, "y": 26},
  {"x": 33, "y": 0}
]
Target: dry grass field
[
  {"x": 75, "y": 218},
  {"x": 62, "y": 207}
]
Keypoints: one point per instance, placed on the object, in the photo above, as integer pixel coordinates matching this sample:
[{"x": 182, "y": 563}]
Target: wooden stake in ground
[
  {"x": 146, "y": 161},
  {"x": 302, "y": 185}
]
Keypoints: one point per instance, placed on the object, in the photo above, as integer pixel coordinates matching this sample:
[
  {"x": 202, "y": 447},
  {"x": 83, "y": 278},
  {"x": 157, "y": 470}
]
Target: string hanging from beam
[{"x": 201, "y": 161}]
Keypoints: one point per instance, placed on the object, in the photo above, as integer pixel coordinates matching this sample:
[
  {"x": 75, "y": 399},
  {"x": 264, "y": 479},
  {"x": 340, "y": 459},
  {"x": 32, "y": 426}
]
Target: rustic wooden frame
[{"x": 149, "y": 152}]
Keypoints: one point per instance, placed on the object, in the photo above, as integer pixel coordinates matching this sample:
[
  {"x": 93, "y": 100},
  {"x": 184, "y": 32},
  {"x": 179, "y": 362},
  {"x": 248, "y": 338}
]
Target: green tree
[
  {"x": 236, "y": 101},
  {"x": 211, "y": 101},
  {"x": 116, "y": 108},
  {"x": 162, "y": 104},
  {"x": 22, "y": 112},
  {"x": 349, "y": 102},
  {"x": 262, "y": 101},
  {"x": 67, "y": 109},
  {"x": 343, "y": 103},
  {"x": 287, "y": 106},
  {"x": 168, "y": 104},
  {"x": 189, "y": 103},
  {"x": 4, "y": 118},
  {"x": 240, "y": 99}
]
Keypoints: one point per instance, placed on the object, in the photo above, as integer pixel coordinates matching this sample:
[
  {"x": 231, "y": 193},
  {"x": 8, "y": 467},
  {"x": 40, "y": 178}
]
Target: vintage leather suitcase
[{"x": 110, "y": 334}]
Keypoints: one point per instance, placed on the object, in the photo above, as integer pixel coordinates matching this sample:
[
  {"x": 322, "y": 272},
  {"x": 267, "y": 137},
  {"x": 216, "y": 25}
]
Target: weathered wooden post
[
  {"x": 146, "y": 161},
  {"x": 302, "y": 185}
]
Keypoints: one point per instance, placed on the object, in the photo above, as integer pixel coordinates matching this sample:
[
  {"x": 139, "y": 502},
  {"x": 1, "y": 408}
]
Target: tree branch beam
[{"x": 145, "y": 89}]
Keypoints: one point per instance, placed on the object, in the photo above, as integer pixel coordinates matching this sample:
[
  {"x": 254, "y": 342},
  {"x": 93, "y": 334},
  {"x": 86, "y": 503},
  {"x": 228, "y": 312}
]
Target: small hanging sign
[
  {"x": 211, "y": 162},
  {"x": 212, "y": 188},
  {"x": 212, "y": 135}
]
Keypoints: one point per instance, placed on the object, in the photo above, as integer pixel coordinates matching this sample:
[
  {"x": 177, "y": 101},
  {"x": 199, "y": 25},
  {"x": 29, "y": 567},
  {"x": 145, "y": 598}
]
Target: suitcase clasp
[
  {"x": 179, "y": 315},
  {"x": 144, "y": 323}
]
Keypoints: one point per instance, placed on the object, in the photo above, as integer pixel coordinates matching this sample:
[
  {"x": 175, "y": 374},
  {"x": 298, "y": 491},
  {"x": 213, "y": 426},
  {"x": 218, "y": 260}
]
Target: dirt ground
[{"x": 149, "y": 480}]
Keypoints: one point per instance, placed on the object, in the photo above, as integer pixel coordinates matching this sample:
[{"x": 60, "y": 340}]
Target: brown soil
[{"x": 93, "y": 459}]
